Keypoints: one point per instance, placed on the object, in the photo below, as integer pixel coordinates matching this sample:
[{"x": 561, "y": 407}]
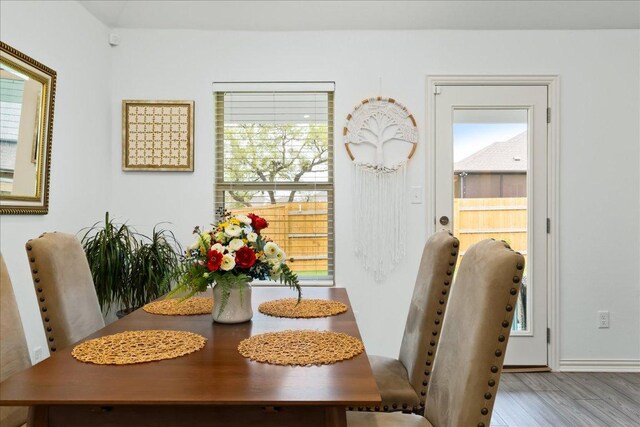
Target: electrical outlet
[
  {"x": 37, "y": 355},
  {"x": 603, "y": 319}
]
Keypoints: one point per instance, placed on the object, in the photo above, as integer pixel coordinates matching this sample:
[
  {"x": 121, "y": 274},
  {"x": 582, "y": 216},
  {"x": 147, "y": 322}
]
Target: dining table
[{"x": 215, "y": 386}]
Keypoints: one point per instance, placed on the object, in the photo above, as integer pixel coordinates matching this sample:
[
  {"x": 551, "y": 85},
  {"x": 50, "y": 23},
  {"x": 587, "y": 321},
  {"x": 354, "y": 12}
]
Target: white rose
[
  {"x": 280, "y": 255},
  {"x": 271, "y": 249},
  {"x": 218, "y": 248},
  {"x": 228, "y": 262},
  {"x": 275, "y": 271},
  {"x": 235, "y": 244},
  {"x": 233, "y": 230},
  {"x": 244, "y": 219},
  {"x": 252, "y": 237},
  {"x": 247, "y": 229}
]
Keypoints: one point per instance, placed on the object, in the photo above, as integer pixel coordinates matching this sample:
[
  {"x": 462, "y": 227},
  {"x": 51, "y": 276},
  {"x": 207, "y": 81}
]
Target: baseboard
[{"x": 599, "y": 365}]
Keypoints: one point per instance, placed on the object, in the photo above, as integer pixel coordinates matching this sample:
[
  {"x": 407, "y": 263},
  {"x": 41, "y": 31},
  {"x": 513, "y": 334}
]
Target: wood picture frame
[{"x": 157, "y": 135}]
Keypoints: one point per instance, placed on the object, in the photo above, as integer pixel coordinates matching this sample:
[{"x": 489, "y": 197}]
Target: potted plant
[
  {"x": 125, "y": 271},
  {"x": 228, "y": 257}
]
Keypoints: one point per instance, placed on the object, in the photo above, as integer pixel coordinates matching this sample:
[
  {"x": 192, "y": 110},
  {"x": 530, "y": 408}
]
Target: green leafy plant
[
  {"x": 154, "y": 258},
  {"x": 109, "y": 250},
  {"x": 127, "y": 271}
]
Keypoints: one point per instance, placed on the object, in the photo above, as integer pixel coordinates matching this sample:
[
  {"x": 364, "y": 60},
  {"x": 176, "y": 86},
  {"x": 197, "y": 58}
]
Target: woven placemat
[
  {"x": 131, "y": 347},
  {"x": 173, "y": 307},
  {"x": 302, "y": 348},
  {"x": 307, "y": 308}
]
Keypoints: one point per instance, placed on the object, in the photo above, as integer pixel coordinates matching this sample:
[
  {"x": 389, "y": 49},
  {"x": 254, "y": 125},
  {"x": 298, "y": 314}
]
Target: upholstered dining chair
[
  {"x": 14, "y": 354},
  {"x": 467, "y": 367},
  {"x": 64, "y": 287},
  {"x": 403, "y": 382}
]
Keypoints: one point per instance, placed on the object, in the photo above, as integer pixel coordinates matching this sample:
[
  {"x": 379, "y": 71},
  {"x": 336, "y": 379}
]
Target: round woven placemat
[
  {"x": 173, "y": 307},
  {"x": 302, "y": 348},
  {"x": 131, "y": 347},
  {"x": 307, "y": 308}
]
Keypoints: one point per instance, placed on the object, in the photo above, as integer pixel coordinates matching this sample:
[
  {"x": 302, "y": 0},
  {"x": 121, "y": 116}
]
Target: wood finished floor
[{"x": 568, "y": 399}]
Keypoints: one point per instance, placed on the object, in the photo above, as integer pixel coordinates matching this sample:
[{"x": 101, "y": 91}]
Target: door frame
[{"x": 552, "y": 82}]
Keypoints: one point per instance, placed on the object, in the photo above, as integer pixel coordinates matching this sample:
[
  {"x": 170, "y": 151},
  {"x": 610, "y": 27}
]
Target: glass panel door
[{"x": 491, "y": 182}]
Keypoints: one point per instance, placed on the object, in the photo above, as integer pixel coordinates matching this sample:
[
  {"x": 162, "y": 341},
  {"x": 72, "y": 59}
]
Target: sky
[{"x": 471, "y": 137}]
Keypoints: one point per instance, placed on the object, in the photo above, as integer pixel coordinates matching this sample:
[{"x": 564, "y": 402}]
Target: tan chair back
[
  {"x": 64, "y": 287},
  {"x": 14, "y": 354},
  {"x": 474, "y": 339},
  {"x": 428, "y": 306}
]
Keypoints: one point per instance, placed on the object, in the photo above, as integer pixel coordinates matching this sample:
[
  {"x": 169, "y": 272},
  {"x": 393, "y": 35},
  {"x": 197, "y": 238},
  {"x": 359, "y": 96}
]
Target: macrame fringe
[{"x": 379, "y": 223}]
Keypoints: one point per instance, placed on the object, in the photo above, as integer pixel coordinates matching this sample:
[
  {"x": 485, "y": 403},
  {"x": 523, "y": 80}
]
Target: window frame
[{"x": 221, "y": 185}]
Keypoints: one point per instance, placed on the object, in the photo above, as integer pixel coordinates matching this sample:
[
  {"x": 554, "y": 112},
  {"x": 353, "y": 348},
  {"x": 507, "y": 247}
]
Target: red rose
[
  {"x": 214, "y": 260},
  {"x": 245, "y": 257},
  {"x": 258, "y": 223}
]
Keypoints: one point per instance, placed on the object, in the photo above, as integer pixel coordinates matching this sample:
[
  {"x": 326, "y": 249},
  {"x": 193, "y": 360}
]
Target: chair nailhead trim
[
  {"x": 494, "y": 369},
  {"x": 501, "y": 338},
  {"x": 513, "y": 291},
  {"x": 480, "y": 424},
  {"x": 492, "y": 383},
  {"x": 487, "y": 396},
  {"x": 425, "y": 383},
  {"x": 42, "y": 299},
  {"x": 484, "y": 411},
  {"x": 498, "y": 353},
  {"x": 505, "y": 323},
  {"x": 508, "y": 307},
  {"x": 516, "y": 279}
]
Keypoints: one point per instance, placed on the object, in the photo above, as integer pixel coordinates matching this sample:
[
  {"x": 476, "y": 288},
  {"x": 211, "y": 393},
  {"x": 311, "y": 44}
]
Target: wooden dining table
[{"x": 215, "y": 386}]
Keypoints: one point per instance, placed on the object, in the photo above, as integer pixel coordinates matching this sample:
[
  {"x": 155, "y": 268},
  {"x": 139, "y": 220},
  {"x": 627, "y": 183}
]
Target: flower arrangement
[{"x": 231, "y": 255}]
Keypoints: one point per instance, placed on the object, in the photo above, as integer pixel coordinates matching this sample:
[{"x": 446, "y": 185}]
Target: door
[{"x": 491, "y": 182}]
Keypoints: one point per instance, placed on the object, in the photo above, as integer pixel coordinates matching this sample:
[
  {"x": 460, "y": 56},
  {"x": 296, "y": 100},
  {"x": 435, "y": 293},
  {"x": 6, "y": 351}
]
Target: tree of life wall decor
[
  {"x": 157, "y": 135},
  {"x": 379, "y": 184}
]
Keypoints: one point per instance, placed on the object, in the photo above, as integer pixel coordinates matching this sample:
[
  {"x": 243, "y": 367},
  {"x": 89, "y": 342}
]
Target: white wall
[
  {"x": 65, "y": 37},
  {"x": 599, "y": 149}
]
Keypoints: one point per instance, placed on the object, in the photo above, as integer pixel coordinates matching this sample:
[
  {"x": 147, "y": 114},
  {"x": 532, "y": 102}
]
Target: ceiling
[{"x": 366, "y": 15}]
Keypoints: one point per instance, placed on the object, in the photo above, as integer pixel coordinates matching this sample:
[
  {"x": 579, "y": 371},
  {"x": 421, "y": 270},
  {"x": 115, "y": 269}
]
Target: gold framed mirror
[{"x": 27, "y": 94}]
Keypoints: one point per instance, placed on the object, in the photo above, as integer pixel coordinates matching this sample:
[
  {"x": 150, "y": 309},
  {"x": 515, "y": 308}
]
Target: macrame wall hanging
[{"x": 379, "y": 184}]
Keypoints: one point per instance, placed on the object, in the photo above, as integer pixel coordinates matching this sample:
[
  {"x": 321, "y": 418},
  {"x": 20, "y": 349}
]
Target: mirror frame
[{"x": 39, "y": 203}]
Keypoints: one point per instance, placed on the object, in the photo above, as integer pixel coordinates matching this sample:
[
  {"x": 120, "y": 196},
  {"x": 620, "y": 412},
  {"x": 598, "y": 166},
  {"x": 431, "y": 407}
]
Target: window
[{"x": 274, "y": 158}]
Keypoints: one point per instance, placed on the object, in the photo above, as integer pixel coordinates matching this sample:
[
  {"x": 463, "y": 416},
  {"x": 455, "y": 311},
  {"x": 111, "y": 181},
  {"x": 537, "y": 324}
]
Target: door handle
[{"x": 444, "y": 220}]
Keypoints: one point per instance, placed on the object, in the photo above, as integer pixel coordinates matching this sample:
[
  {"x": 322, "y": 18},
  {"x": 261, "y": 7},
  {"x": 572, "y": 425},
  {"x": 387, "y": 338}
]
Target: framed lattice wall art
[{"x": 157, "y": 135}]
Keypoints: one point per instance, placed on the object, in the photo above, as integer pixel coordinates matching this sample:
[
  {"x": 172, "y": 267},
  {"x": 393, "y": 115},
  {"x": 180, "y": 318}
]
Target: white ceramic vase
[{"x": 238, "y": 308}]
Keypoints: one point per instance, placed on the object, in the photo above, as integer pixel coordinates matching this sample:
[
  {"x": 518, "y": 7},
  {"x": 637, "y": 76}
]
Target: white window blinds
[{"x": 274, "y": 158}]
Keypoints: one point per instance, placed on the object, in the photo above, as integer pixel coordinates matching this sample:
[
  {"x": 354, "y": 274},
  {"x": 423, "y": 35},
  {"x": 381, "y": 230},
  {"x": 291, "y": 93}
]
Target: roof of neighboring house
[{"x": 501, "y": 156}]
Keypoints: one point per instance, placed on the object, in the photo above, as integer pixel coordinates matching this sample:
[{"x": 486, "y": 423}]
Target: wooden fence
[{"x": 502, "y": 218}]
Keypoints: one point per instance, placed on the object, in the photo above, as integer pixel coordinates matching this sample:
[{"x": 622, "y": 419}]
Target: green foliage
[
  {"x": 289, "y": 278},
  {"x": 263, "y": 153},
  {"x": 109, "y": 252},
  {"x": 126, "y": 271},
  {"x": 154, "y": 258}
]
